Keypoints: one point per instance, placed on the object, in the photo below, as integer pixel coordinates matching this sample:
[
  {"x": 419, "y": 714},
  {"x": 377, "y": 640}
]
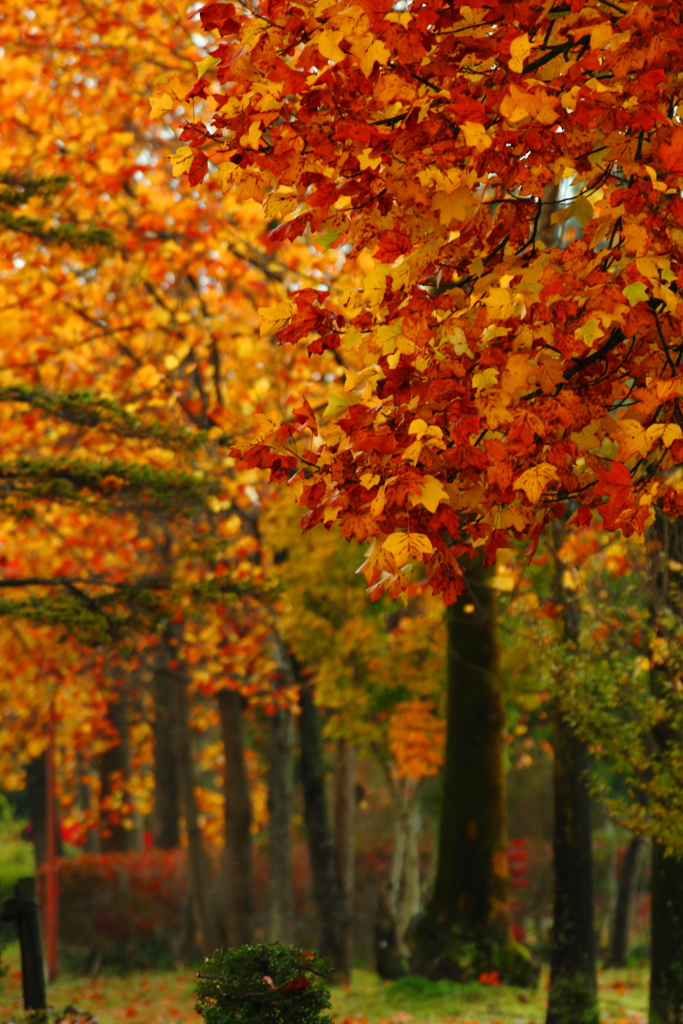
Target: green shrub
[{"x": 263, "y": 984}]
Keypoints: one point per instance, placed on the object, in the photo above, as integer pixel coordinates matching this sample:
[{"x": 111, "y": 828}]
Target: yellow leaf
[
  {"x": 252, "y": 137},
  {"x": 278, "y": 206},
  {"x": 534, "y": 481},
  {"x": 475, "y": 135},
  {"x": 457, "y": 205},
  {"x": 205, "y": 65},
  {"x": 632, "y": 439},
  {"x": 405, "y": 546},
  {"x": 431, "y": 495},
  {"x": 274, "y": 317},
  {"x": 368, "y": 50},
  {"x": 601, "y": 35},
  {"x": 520, "y": 48},
  {"x": 485, "y": 378},
  {"x": 266, "y": 425},
  {"x": 160, "y": 105},
  {"x": 181, "y": 160},
  {"x": 328, "y": 45},
  {"x": 666, "y": 432}
]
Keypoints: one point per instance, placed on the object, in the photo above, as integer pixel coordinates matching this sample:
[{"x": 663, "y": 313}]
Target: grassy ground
[{"x": 167, "y": 998}]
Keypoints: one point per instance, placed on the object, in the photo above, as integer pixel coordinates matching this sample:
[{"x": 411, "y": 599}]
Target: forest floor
[{"x": 167, "y": 998}]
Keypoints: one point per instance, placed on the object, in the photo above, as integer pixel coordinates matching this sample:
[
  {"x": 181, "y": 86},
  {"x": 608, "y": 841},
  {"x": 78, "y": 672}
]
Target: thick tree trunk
[
  {"x": 345, "y": 831},
  {"x": 237, "y": 853},
  {"x": 281, "y": 913},
  {"x": 114, "y": 766},
  {"x": 572, "y": 998},
  {"x": 573, "y": 990},
  {"x": 465, "y": 929},
  {"x": 207, "y": 938},
  {"x": 666, "y": 978},
  {"x": 666, "y": 958},
  {"x": 166, "y": 814},
  {"x": 618, "y": 955},
  {"x": 327, "y": 888}
]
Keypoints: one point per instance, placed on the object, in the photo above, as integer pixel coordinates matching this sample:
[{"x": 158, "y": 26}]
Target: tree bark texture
[
  {"x": 281, "y": 912},
  {"x": 114, "y": 767},
  {"x": 237, "y": 853},
  {"x": 572, "y": 998},
  {"x": 465, "y": 929},
  {"x": 207, "y": 938},
  {"x": 345, "y": 830},
  {"x": 327, "y": 887},
  {"x": 666, "y": 977},
  {"x": 622, "y": 911},
  {"x": 166, "y": 814}
]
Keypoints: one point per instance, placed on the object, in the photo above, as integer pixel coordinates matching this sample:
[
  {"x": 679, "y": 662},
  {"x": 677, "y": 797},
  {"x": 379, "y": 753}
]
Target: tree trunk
[
  {"x": 199, "y": 873},
  {"x": 114, "y": 766},
  {"x": 465, "y": 929},
  {"x": 572, "y": 998},
  {"x": 237, "y": 853},
  {"x": 666, "y": 978},
  {"x": 36, "y": 785},
  {"x": 281, "y": 913},
  {"x": 622, "y": 912},
  {"x": 345, "y": 831},
  {"x": 573, "y": 990},
  {"x": 409, "y": 903},
  {"x": 666, "y": 958},
  {"x": 327, "y": 888},
  {"x": 166, "y": 814}
]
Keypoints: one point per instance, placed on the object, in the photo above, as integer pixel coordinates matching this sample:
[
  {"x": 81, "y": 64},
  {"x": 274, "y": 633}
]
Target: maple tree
[{"x": 490, "y": 380}]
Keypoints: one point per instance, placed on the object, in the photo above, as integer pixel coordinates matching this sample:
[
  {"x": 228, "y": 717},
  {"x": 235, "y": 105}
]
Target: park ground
[{"x": 168, "y": 998}]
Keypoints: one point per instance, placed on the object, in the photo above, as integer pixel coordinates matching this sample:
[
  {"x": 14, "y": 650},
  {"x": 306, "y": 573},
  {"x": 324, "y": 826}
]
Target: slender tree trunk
[
  {"x": 409, "y": 904},
  {"x": 281, "y": 913},
  {"x": 465, "y": 929},
  {"x": 199, "y": 872},
  {"x": 618, "y": 954},
  {"x": 114, "y": 767},
  {"x": 36, "y": 785},
  {"x": 666, "y": 979},
  {"x": 572, "y": 998},
  {"x": 345, "y": 831},
  {"x": 327, "y": 888},
  {"x": 237, "y": 854},
  {"x": 166, "y": 814}
]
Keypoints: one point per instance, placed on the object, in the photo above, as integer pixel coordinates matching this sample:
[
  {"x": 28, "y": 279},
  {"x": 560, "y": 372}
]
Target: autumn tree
[{"x": 490, "y": 379}]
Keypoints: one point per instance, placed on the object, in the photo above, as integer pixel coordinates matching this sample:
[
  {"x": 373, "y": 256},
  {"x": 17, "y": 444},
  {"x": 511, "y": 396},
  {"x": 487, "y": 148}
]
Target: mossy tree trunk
[
  {"x": 573, "y": 994},
  {"x": 237, "y": 852},
  {"x": 465, "y": 929},
  {"x": 327, "y": 887}
]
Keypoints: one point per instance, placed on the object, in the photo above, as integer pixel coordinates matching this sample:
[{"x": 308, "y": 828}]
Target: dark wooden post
[{"x": 23, "y": 909}]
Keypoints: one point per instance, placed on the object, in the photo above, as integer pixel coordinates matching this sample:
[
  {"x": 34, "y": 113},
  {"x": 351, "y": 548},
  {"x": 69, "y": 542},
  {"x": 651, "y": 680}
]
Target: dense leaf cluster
[{"x": 263, "y": 984}]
